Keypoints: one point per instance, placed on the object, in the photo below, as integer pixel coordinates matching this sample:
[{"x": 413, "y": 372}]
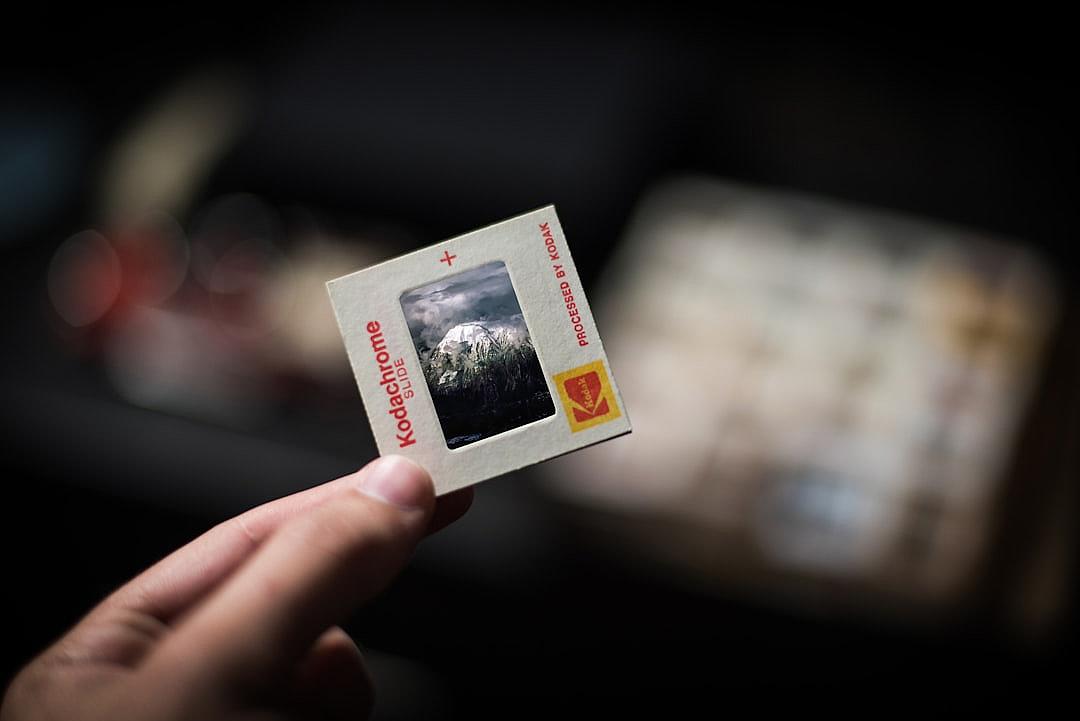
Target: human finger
[
  {"x": 309, "y": 575},
  {"x": 332, "y": 677},
  {"x": 174, "y": 584},
  {"x": 449, "y": 508}
]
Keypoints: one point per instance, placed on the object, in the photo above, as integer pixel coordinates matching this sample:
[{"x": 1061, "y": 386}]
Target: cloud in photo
[{"x": 482, "y": 294}]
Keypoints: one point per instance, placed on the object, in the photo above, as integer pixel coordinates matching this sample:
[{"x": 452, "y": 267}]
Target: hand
[{"x": 240, "y": 623}]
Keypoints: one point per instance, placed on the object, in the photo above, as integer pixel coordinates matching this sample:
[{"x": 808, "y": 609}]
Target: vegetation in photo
[{"x": 478, "y": 358}]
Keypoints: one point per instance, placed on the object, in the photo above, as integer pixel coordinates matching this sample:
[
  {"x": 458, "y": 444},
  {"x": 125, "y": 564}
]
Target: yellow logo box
[{"x": 586, "y": 396}]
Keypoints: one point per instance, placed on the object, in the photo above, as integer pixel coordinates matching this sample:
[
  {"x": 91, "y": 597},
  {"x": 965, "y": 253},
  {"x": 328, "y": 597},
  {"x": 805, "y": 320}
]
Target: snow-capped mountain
[
  {"x": 471, "y": 338},
  {"x": 469, "y": 346}
]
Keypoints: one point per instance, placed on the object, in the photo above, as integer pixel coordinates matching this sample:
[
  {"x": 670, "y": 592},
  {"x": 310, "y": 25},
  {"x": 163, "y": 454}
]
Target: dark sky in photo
[{"x": 482, "y": 294}]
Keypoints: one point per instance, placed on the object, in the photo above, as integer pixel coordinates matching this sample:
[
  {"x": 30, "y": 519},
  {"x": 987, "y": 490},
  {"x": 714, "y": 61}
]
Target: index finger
[
  {"x": 308, "y": 576},
  {"x": 174, "y": 584}
]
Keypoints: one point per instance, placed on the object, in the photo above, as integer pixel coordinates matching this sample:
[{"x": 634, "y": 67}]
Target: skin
[{"x": 241, "y": 623}]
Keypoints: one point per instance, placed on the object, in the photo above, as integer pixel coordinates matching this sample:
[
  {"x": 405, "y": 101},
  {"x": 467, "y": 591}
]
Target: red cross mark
[{"x": 447, "y": 258}]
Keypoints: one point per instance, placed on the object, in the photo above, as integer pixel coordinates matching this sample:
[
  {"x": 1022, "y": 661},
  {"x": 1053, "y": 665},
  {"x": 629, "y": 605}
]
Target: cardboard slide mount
[{"x": 385, "y": 354}]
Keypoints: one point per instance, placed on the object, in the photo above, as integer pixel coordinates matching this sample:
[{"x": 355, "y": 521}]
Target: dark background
[{"x": 443, "y": 121}]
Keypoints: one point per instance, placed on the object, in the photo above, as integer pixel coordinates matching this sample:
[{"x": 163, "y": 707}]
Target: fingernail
[{"x": 398, "y": 481}]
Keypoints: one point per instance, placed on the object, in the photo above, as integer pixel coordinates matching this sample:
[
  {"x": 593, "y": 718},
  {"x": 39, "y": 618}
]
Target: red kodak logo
[{"x": 586, "y": 396}]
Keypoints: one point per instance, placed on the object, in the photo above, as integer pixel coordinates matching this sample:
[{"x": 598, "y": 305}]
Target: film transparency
[{"x": 479, "y": 355}]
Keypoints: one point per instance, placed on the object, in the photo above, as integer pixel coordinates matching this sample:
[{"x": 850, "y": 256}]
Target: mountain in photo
[{"x": 484, "y": 380}]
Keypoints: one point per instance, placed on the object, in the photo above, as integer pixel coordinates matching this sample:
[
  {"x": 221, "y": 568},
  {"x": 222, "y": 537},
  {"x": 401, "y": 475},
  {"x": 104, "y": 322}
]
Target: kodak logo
[{"x": 586, "y": 396}]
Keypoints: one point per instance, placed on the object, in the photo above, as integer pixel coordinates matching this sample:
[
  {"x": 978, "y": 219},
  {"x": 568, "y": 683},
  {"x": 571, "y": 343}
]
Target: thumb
[{"x": 309, "y": 575}]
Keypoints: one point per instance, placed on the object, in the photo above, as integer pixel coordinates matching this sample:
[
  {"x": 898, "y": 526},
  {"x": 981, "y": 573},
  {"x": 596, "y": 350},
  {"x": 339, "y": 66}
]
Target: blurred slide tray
[{"x": 479, "y": 355}]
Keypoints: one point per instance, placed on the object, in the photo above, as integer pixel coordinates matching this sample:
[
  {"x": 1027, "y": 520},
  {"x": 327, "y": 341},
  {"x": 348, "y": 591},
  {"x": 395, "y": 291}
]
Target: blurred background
[{"x": 828, "y": 254}]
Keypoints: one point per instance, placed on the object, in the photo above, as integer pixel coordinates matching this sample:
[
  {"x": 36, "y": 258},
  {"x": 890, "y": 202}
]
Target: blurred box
[{"x": 826, "y": 400}]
